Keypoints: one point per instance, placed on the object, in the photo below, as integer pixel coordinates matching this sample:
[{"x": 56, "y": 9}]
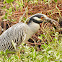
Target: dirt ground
[{"x": 48, "y": 9}]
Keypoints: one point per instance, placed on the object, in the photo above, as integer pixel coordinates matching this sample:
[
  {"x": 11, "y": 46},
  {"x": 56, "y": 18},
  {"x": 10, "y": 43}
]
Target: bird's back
[{"x": 16, "y": 33}]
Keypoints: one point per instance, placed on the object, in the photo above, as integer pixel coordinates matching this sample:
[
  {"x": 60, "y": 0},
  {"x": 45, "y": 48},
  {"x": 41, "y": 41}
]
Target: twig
[
  {"x": 23, "y": 15},
  {"x": 35, "y": 43}
]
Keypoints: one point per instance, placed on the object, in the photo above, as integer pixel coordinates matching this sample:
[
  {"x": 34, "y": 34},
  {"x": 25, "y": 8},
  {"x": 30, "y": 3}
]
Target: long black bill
[{"x": 54, "y": 22}]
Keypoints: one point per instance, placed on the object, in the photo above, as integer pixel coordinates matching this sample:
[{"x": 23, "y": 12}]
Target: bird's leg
[{"x": 18, "y": 54}]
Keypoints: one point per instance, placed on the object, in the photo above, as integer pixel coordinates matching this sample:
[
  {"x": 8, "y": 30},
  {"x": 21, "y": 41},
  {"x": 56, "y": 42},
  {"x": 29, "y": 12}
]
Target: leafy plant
[
  {"x": 55, "y": 0},
  {"x": 8, "y": 1},
  {"x": 20, "y": 4}
]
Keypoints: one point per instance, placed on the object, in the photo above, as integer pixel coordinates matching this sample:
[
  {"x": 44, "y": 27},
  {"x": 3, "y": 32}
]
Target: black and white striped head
[{"x": 38, "y": 18}]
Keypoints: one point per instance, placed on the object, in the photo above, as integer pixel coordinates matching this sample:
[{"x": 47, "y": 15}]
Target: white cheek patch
[{"x": 36, "y": 18}]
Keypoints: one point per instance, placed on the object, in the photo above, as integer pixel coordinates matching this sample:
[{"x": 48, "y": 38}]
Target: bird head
[{"x": 39, "y": 18}]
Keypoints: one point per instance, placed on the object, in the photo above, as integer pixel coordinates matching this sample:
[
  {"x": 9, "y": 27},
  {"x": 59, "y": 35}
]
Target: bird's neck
[{"x": 34, "y": 27}]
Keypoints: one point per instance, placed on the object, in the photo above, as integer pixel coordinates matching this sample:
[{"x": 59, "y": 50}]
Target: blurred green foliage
[
  {"x": 55, "y": 0},
  {"x": 9, "y": 1}
]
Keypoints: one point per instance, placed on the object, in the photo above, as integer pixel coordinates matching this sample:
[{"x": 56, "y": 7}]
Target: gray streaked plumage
[{"x": 20, "y": 32}]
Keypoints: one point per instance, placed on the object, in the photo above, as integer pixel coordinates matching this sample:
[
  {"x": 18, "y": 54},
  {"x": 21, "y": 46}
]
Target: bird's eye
[{"x": 42, "y": 17}]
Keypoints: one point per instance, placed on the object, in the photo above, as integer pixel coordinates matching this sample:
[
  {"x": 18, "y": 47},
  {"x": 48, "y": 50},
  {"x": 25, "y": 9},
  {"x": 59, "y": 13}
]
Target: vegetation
[
  {"x": 51, "y": 50},
  {"x": 49, "y": 53}
]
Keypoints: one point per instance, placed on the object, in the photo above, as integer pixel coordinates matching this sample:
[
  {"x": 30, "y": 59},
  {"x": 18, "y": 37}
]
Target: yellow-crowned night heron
[{"x": 21, "y": 32}]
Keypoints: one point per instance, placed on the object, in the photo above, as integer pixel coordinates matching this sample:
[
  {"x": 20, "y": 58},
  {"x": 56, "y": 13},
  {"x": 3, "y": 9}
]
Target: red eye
[{"x": 42, "y": 17}]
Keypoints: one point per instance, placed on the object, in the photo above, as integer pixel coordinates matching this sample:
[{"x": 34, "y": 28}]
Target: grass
[{"x": 51, "y": 52}]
